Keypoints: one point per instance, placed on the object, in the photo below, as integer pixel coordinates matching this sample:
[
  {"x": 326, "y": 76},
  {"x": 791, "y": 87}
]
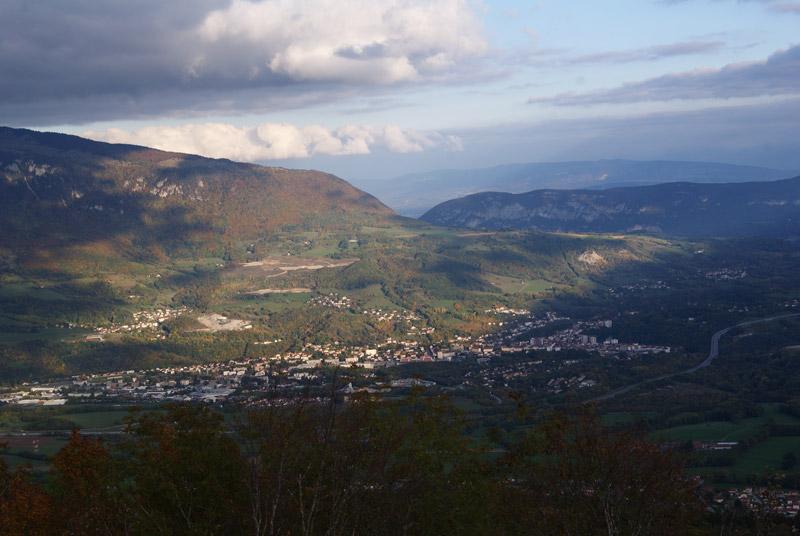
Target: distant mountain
[
  {"x": 682, "y": 209},
  {"x": 412, "y": 195},
  {"x": 65, "y": 198}
]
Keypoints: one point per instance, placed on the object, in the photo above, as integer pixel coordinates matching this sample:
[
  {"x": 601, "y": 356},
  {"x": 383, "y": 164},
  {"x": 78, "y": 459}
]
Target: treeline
[{"x": 367, "y": 467}]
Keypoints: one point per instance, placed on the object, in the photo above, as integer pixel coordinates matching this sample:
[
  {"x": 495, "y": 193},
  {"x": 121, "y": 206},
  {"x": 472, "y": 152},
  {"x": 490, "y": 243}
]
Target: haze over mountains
[
  {"x": 683, "y": 209},
  {"x": 412, "y": 195}
]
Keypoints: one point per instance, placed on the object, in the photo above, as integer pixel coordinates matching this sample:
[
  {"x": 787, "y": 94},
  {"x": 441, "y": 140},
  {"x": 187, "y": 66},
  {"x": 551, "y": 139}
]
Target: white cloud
[
  {"x": 372, "y": 41},
  {"x": 276, "y": 141}
]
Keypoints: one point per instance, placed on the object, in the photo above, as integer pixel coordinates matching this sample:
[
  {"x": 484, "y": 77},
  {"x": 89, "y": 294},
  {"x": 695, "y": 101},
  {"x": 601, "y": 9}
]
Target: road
[{"x": 711, "y": 356}]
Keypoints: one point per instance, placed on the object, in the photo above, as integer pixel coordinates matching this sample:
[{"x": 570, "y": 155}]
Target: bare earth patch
[
  {"x": 264, "y": 291},
  {"x": 221, "y": 323},
  {"x": 276, "y": 266}
]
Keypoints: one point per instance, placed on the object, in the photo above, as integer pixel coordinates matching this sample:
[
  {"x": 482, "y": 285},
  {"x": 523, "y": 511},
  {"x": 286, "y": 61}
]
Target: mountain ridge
[
  {"x": 414, "y": 194},
  {"x": 64, "y": 192},
  {"x": 680, "y": 208}
]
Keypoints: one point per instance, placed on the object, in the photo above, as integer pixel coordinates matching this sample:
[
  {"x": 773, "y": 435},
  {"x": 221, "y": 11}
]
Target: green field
[
  {"x": 371, "y": 297},
  {"x": 273, "y": 303},
  {"x": 16, "y": 287},
  {"x": 713, "y": 431},
  {"x": 511, "y": 285},
  {"x": 321, "y": 250},
  {"x": 725, "y": 430},
  {"x": 97, "y": 419},
  {"x": 45, "y": 334},
  {"x": 767, "y": 455}
]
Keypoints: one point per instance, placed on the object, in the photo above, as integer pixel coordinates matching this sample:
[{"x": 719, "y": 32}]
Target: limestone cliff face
[{"x": 687, "y": 209}]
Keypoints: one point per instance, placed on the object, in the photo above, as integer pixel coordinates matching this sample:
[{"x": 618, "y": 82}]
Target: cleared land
[{"x": 276, "y": 266}]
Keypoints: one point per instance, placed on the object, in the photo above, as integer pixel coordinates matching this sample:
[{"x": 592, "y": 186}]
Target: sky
[{"x": 374, "y": 89}]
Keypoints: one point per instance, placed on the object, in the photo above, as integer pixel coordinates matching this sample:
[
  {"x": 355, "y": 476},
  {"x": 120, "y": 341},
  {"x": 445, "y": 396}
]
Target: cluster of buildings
[
  {"x": 208, "y": 383},
  {"x": 218, "y": 381},
  {"x": 760, "y": 500},
  {"x": 558, "y": 385},
  {"x": 638, "y": 287},
  {"x": 503, "y": 310},
  {"x": 391, "y": 315},
  {"x": 332, "y": 300},
  {"x": 572, "y": 338},
  {"x": 726, "y": 274},
  {"x": 505, "y": 374},
  {"x": 142, "y": 321},
  {"x": 42, "y": 395}
]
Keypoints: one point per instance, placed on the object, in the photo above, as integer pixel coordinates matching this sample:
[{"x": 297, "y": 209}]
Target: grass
[
  {"x": 767, "y": 455},
  {"x": 322, "y": 250},
  {"x": 727, "y": 431},
  {"x": 45, "y": 334},
  {"x": 443, "y": 304},
  {"x": 96, "y": 419},
  {"x": 13, "y": 461},
  {"x": 773, "y": 411},
  {"x": 512, "y": 285},
  {"x": 714, "y": 431},
  {"x": 370, "y": 297},
  {"x": 272, "y": 303},
  {"x": 612, "y": 419},
  {"x": 400, "y": 231},
  {"x": 47, "y": 448},
  {"x": 18, "y": 288}
]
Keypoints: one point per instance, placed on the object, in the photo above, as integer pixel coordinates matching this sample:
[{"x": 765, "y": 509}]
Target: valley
[{"x": 217, "y": 302}]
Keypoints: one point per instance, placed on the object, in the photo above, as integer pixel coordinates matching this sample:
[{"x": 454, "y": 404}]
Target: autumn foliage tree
[
  {"x": 573, "y": 476},
  {"x": 25, "y": 509},
  {"x": 368, "y": 466}
]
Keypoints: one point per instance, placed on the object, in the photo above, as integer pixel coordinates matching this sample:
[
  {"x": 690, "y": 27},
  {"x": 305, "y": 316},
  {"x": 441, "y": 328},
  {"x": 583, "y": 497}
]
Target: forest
[{"x": 364, "y": 466}]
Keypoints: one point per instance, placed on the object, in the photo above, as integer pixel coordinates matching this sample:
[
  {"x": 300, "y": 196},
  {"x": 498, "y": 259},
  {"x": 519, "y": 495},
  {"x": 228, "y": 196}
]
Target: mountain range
[
  {"x": 680, "y": 208},
  {"x": 412, "y": 195},
  {"x": 67, "y": 199}
]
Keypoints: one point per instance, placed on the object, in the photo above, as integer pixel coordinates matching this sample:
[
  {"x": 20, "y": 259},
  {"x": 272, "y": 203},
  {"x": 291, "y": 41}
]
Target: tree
[
  {"x": 570, "y": 475},
  {"x": 180, "y": 473},
  {"x": 25, "y": 509},
  {"x": 85, "y": 490},
  {"x": 368, "y": 467}
]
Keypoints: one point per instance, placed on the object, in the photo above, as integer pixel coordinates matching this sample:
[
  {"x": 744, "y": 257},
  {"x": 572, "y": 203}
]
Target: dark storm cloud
[
  {"x": 777, "y": 75},
  {"x": 76, "y": 49}
]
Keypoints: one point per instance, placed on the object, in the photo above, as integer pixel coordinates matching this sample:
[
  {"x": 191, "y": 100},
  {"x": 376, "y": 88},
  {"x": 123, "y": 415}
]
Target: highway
[{"x": 710, "y": 359}]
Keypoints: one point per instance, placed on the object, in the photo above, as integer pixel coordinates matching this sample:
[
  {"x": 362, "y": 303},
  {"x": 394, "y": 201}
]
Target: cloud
[
  {"x": 652, "y": 53},
  {"x": 786, "y": 7},
  {"x": 777, "y": 75},
  {"x": 277, "y": 141},
  {"x": 188, "y": 54},
  {"x": 372, "y": 41},
  {"x": 758, "y": 134},
  {"x": 773, "y": 5}
]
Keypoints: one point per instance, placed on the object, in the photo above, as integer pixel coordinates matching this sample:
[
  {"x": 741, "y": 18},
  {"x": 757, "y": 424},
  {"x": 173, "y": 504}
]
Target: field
[
  {"x": 36, "y": 448},
  {"x": 97, "y": 419},
  {"x": 45, "y": 334},
  {"x": 13, "y": 287},
  {"x": 511, "y": 285},
  {"x": 714, "y": 431},
  {"x": 766, "y": 456}
]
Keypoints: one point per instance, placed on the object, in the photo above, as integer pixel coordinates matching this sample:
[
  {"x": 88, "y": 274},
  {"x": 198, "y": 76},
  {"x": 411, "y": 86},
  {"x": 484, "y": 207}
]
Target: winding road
[{"x": 713, "y": 354}]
